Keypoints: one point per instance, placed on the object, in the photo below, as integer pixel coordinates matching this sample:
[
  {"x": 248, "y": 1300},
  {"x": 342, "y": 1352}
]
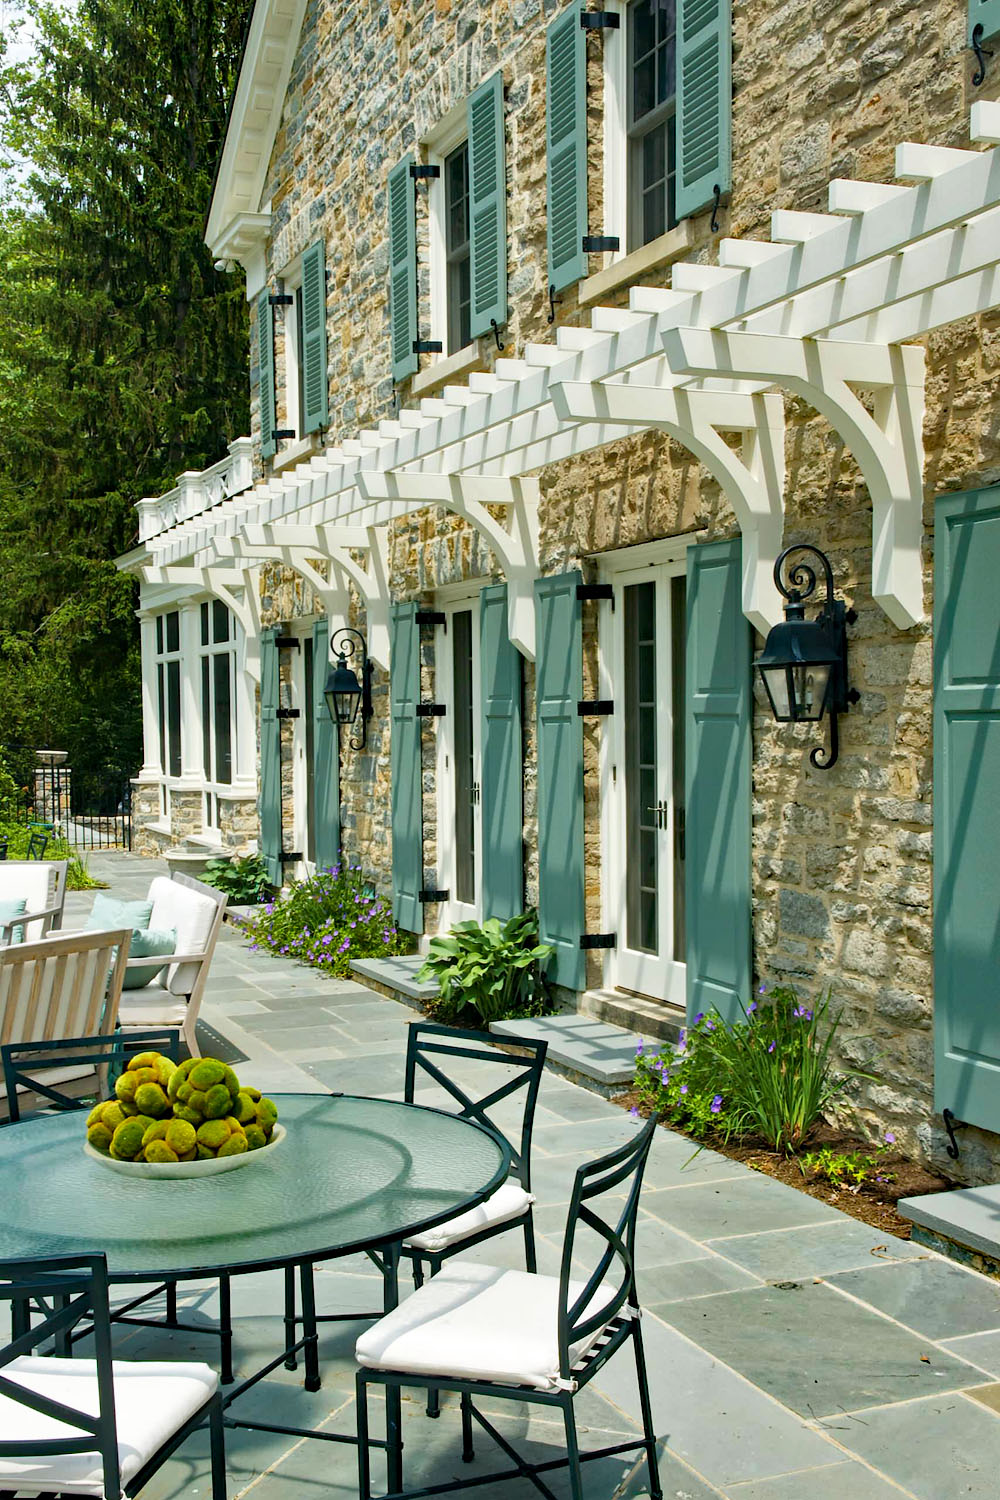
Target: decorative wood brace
[
  {"x": 514, "y": 546},
  {"x": 888, "y": 446},
  {"x": 235, "y": 587},
  {"x": 755, "y": 483}
]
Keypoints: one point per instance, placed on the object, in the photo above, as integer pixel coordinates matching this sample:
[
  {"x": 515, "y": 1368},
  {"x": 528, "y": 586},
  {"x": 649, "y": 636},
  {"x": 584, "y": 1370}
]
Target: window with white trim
[
  {"x": 218, "y": 707},
  {"x": 168, "y": 689},
  {"x": 450, "y": 249},
  {"x": 651, "y": 28},
  {"x": 293, "y": 414}
]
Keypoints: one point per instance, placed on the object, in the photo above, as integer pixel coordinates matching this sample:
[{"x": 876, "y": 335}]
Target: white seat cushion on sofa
[
  {"x": 153, "y": 1005},
  {"x": 477, "y": 1323},
  {"x": 508, "y": 1202},
  {"x": 152, "y": 1401},
  {"x": 36, "y": 883},
  {"x": 190, "y": 915}
]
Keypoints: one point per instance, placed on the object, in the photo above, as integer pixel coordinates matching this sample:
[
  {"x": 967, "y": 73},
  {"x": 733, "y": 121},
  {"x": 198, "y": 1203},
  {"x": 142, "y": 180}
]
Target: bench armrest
[
  {"x": 28, "y": 916},
  {"x": 159, "y": 958}
]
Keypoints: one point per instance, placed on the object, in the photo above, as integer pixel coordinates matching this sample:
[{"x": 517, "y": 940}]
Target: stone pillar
[{"x": 53, "y": 781}]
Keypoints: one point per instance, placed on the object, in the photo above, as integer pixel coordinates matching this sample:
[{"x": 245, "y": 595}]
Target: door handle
[{"x": 474, "y": 793}]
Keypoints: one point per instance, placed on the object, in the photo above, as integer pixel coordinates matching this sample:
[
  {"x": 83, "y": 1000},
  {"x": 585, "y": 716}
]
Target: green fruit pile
[{"x": 166, "y": 1113}]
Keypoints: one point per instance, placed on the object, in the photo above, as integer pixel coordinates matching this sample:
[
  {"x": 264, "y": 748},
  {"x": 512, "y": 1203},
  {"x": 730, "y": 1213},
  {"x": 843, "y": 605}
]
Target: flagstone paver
[{"x": 758, "y": 1393}]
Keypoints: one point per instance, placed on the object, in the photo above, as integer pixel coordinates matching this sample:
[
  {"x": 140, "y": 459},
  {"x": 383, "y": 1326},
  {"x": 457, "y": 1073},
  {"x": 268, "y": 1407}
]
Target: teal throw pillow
[
  {"x": 148, "y": 943},
  {"x": 110, "y": 912},
  {"x": 10, "y": 909}
]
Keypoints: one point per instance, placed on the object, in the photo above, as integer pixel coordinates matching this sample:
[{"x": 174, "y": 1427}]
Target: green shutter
[
  {"x": 566, "y": 146},
  {"x": 314, "y": 383},
  {"x": 967, "y": 807},
  {"x": 487, "y": 207},
  {"x": 407, "y": 812},
  {"x": 559, "y": 688},
  {"x": 704, "y": 102},
  {"x": 503, "y": 759},
  {"x": 717, "y": 760},
  {"x": 326, "y": 758},
  {"x": 402, "y": 270},
  {"x": 984, "y": 13},
  {"x": 269, "y": 801},
  {"x": 265, "y": 365}
]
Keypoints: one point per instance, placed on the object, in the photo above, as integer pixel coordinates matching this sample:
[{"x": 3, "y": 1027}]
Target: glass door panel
[
  {"x": 463, "y": 760},
  {"x": 458, "y": 764}
]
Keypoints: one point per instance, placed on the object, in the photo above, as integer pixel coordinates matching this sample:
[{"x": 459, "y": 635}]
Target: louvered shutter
[
  {"x": 265, "y": 365},
  {"x": 717, "y": 767},
  {"x": 984, "y": 13},
  {"x": 314, "y": 382},
  {"x": 704, "y": 102},
  {"x": 269, "y": 798},
  {"x": 566, "y": 146},
  {"x": 503, "y": 758},
  {"x": 402, "y": 270},
  {"x": 407, "y": 811},
  {"x": 326, "y": 758},
  {"x": 487, "y": 207},
  {"x": 559, "y": 687},
  {"x": 967, "y": 807}
]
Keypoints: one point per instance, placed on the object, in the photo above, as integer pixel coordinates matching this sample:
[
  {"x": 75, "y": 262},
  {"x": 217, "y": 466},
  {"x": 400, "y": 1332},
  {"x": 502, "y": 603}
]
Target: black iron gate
[{"x": 85, "y": 809}]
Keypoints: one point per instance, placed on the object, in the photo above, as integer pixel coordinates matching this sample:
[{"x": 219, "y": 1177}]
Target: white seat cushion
[
  {"x": 508, "y": 1202},
  {"x": 188, "y": 913},
  {"x": 153, "y": 1005},
  {"x": 477, "y": 1322},
  {"x": 152, "y": 1401},
  {"x": 35, "y": 881}
]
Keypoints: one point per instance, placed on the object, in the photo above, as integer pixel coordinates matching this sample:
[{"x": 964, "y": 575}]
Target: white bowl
[{"x": 188, "y": 1168}]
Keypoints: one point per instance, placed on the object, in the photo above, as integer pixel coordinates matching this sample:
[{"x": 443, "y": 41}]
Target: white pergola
[{"x": 825, "y": 309}]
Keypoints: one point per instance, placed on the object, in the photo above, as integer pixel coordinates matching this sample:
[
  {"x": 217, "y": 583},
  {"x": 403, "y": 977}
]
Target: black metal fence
[{"x": 86, "y": 810}]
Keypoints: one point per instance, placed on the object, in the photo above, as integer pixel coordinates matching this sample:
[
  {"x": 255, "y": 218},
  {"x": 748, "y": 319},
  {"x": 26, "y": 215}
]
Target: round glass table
[{"x": 352, "y": 1174}]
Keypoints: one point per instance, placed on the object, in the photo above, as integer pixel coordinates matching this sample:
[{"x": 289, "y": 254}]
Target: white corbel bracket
[
  {"x": 235, "y": 587},
  {"x": 888, "y": 446},
  {"x": 514, "y": 546},
  {"x": 755, "y": 483}
]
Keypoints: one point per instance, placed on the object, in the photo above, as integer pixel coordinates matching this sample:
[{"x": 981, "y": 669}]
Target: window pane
[
  {"x": 174, "y": 714},
  {"x": 220, "y": 621},
  {"x": 204, "y": 624},
  {"x": 173, "y": 631},
  {"x": 459, "y": 266},
  {"x": 161, "y": 688},
  {"x": 223, "y": 718},
  {"x": 159, "y": 635},
  {"x": 644, "y": 87},
  {"x": 206, "y": 715},
  {"x": 678, "y": 612},
  {"x": 640, "y": 767},
  {"x": 309, "y": 709},
  {"x": 465, "y": 826},
  {"x": 456, "y": 170}
]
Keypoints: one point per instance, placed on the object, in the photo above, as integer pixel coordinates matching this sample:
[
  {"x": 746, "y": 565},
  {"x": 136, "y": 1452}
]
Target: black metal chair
[
  {"x": 3, "y": 847},
  {"x": 486, "y": 1332},
  {"x": 36, "y": 845},
  {"x": 24, "y": 1065},
  {"x": 83, "y": 1425}
]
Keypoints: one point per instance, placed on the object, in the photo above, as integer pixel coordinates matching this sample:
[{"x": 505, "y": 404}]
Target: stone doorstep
[
  {"x": 397, "y": 976},
  {"x": 593, "y": 1053},
  {"x": 963, "y": 1224},
  {"x": 635, "y": 1013}
]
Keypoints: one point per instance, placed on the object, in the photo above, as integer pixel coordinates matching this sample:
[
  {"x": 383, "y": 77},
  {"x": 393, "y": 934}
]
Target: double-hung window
[
  {"x": 218, "y": 665},
  {"x": 458, "y": 249},
  {"x": 168, "y": 688},
  {"x": 651, "y": 28}
]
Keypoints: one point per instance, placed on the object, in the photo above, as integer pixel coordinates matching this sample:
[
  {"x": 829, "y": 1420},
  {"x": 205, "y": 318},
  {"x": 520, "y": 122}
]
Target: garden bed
[{"x": 873, "y": 1201}]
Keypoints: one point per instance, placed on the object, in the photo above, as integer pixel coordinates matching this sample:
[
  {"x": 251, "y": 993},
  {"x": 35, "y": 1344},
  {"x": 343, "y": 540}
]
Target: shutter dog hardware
[
  {"x": 430, "y": 896},
  {"x": 430, "y": 710},
  {"x": 594, "y": 244},
  {"x": 600, "y": 20},
  {"x": 598, "y": 940}
]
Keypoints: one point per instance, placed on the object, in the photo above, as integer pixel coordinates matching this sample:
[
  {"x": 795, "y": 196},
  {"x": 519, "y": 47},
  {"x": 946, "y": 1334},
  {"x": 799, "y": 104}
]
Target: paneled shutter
[
  {"x": 704, "y": 102},
  {"x": 269, "y": 801},
  {"x": 487, "y": 206},
  {"x": 326, "y": 758},
  {"x": 314, "y": 383},
  {"x": 503, "y": 759},
  {"x": 967, "y": 807},
  {"x": 407, "y": 813},
  {"x": 984, "y": 13},
  {"x": 559, "y": 687},
  {"x": 265, "y": 363},
  {"x": 717, "y": 758},
  {"x": 402, "y": 270},
  {"x": 566, "y": 146}
]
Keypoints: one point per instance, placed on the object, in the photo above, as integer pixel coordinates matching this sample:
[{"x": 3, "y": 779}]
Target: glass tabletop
[{"x": 350, "y": 1173}]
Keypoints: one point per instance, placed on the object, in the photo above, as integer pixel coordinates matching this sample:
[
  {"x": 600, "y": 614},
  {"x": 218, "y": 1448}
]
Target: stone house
[{"x": 565, "y": 323}]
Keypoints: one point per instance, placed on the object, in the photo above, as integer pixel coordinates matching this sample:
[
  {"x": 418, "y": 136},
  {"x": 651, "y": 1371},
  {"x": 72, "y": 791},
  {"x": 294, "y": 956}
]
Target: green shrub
[
  {"x": 768, "y": 1075},
  {"x": 494, "y": 969},
  {"x": 244, "y": 881},
  {"x": 78, "y": 877},
  {"x": 328, "y": 920},
  {"x": 847, "y": 1169}
]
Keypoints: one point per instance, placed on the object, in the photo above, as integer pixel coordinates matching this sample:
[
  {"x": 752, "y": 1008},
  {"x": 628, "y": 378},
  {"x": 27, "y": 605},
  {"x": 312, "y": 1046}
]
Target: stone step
[
  {"x": 963, "y": 1224},
  {"x": 593, "y": 1053},
  {"x": 652, "y": 1018},
  {"x": 396, "y": 977}
]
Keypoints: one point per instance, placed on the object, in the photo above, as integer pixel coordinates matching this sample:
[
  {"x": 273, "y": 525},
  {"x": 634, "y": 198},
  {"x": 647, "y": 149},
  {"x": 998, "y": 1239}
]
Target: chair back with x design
[
  {"x": 65, "y": 1057},
  {"x": 71, "y": 1288},
  {"x": 610, "y": 1288},
  {"x": 428, "y": 1046}
]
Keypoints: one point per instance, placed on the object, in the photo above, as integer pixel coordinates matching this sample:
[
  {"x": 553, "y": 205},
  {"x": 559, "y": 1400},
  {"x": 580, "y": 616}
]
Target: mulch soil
[{"x": 873, "y": 1202}]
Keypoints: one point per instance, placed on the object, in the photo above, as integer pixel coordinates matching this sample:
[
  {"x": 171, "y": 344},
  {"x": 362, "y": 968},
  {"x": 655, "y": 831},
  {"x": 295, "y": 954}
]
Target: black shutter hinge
[
  {"x": 430, "y": 710},
  {"x": 287, "y": 642},
  {"x": 290, "y": 857},
  {"x": 951, "y": 1124},
  {"x": 430, "y": 617},
  {"x": 585, "y": 591},
  {"x": 595, "y": 707},
  {"x": 420, "y": 171},
  {"x": 286, "y": 713},
  {"x": 432, "y": 895},
  {"x": 428, "y": 346},
  {"x": 599, "y": 940},
  {"x": 281, "y": 299},
  {"x": 600, "y": 20},
  {"x": 282, "y": 432},
  {"x": 593, "y": 244}
]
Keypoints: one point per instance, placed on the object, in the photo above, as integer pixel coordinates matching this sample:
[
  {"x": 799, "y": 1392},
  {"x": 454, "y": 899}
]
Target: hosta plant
[{"x": 494, "y": 968}]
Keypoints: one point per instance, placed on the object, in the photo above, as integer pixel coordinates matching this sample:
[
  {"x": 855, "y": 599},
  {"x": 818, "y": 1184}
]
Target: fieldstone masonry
[{"x": 822, "y": 89}]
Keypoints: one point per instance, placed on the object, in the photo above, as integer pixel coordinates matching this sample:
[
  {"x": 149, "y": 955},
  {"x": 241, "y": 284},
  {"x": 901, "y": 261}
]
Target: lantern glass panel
[{"x": 342, "y": 693}]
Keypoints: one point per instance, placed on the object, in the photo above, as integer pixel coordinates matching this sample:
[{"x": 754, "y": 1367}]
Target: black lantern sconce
[
  {"x": 804, "y": 662},
  {"x": 344, "y": 694}
]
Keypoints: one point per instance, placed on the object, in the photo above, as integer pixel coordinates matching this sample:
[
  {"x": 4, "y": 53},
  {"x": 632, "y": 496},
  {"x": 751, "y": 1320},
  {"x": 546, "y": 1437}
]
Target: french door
[
  {"x": 644, "y": 784},
  {"x": 460, "y": 839}
]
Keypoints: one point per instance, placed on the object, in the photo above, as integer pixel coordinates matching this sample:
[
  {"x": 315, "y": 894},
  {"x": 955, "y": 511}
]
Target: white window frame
[
  {"x": 214, "y": 791},
  {"x": 451, "y": 599},
  {"x": 617, "y": 173},
  {"x": 162, "y": 657},
  {"x": 446, "y": 138},
  {"x": 291, "y": 415}
]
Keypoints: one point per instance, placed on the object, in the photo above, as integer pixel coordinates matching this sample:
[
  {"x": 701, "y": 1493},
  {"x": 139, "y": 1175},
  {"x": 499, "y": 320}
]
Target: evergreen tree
[{"x": 122, "y": 351}]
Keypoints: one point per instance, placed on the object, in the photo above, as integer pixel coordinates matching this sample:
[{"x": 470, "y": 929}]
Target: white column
[{"x": 151, "y": 768}]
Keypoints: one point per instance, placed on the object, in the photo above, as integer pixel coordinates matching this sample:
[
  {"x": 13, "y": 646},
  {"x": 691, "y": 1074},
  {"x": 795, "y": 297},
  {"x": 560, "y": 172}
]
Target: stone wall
[{"x": 842, "y": 859}]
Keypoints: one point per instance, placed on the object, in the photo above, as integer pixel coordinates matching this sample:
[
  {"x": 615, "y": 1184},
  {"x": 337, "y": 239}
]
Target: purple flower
[
  {"x": 709, "y": 1025},
  {"x": 638, "y": 1050},
  {"x": 684, "y": 1088},
  {"x": 699, "y": 1017},
  {"x": 890, "y": 1138},
  {"x": 751, "y": 1007},
  {"x": 762, "y": 988},
  {"x": 327, "y": 939},
  {"x": 716, "y": 1104},
  {"x": 634, "y": 1113},
  {"x": 771, "y": 1048}
]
